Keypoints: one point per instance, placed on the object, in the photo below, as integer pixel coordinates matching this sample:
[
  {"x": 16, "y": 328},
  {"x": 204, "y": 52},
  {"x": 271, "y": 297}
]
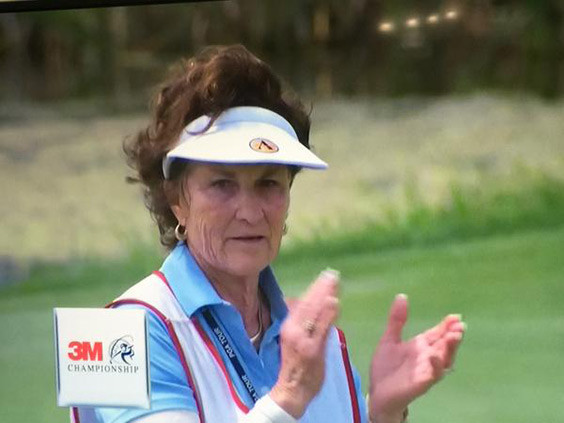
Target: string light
[
  {"x": 386, "y": 26},
  {"x": 433, "y": 19},
  {"x": 451, "y": 14},
  {"x": 412, "y": 23}
]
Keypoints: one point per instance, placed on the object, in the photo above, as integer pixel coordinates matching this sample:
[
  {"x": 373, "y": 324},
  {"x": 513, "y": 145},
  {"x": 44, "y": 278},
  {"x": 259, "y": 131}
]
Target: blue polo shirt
[{"x": 169, "y": 389}]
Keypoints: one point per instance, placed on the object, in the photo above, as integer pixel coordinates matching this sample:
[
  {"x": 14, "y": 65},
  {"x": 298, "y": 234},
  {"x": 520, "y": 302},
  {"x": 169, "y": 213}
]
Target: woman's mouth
[{"x": 249, "y": 239}]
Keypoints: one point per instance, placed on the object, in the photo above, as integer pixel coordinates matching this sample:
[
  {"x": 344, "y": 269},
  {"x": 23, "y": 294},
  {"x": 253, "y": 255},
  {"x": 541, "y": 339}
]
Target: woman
[{"x": 217, "y": 163}]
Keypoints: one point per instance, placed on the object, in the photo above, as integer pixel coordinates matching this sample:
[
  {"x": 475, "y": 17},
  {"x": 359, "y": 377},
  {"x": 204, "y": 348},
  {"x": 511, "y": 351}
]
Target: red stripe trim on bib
[
  {"x": 175, "y": 341},
  {"x": 162, "y": 277},
  {"x": 74, "y": 415},
  {"x": 350, "y": 379},
  {"x": 215, "y": 353}
]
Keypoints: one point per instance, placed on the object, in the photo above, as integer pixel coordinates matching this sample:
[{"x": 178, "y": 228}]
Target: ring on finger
[{"x": 309, "y": 326}]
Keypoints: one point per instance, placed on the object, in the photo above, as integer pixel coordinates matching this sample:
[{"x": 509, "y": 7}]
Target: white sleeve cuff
[
  {"x": 170, "y": 416},
  {"x": 268, "y": 411},
  {"x": 264, "y": 411}
]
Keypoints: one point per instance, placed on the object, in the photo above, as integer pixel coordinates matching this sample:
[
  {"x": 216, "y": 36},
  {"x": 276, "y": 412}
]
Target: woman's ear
[
  {"x": 178, "y": 213},
  {"x": 176, "y": 199}
]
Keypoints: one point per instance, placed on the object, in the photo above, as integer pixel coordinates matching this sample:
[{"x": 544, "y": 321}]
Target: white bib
[{"x": 215, "y": 394}]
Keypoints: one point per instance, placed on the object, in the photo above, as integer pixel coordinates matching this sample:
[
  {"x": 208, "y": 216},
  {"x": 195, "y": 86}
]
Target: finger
[
  {"x": 439, "y": 349},
  {"x": 325, "y": 283},
  {"x": 453, "y": 341},
  {"x": 437, "y": 366},
  {"x": 446, "y": 347},
  {"x": 311, "y": 303},
  {"x": 437, "y": 332},
  {"x": 457, "y": 327},
  {"x": 430, "y": 366},
  {"x": 397, "y": 318},
  {"x": 327, "y": 318}
]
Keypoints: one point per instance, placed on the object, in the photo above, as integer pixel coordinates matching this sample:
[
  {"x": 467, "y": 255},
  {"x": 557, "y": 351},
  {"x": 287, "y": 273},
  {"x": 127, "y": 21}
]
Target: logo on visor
[{"x": 262, "y": 145}]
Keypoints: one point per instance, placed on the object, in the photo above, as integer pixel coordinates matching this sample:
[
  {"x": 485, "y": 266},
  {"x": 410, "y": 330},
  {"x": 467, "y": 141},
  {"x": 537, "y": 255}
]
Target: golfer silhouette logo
[{"x": 121, "y": 350}]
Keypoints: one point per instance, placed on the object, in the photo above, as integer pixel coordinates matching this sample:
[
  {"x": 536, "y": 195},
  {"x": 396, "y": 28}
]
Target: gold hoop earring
[{"x": 179, "y": 233}]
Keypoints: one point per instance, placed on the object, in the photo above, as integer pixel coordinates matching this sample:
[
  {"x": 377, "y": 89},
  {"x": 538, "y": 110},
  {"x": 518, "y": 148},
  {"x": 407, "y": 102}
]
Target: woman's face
[{"x": 234, "y": 215}]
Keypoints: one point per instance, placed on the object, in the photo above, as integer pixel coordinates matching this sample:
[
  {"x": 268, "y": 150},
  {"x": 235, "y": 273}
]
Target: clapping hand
[
  {"x": 404, "y": 370},
  {"x": 303, "y": 338}
]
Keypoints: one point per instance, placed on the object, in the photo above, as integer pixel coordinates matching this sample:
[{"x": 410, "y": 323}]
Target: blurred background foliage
[{"x": 325, "y": 47}]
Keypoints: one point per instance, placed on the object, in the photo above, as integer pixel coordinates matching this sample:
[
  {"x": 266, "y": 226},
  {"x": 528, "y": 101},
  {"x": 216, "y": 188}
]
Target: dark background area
[{"x": 323, "y": 47}]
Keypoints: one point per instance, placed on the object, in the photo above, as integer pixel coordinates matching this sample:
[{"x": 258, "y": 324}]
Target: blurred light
[
  {"x": 433, "y": 19},
  {"x": 412, "y": 23},
  {"x": 451, "y": 14},
  {"x": 386, "y": 27}
]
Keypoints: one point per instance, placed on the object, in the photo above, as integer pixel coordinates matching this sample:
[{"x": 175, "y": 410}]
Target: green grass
[
  {"x": 508, "y": 287},
  {"x": 509, "y": 290},
  {"x": 524, "y": 199}
]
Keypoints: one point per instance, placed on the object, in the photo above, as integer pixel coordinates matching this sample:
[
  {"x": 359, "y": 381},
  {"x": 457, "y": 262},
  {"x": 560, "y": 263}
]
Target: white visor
[{"x": 242, "y": 135}]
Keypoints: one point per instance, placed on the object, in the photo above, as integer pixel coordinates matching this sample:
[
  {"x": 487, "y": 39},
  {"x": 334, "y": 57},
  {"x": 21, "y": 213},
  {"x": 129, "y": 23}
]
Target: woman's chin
[{"x": 244, "y": 265}]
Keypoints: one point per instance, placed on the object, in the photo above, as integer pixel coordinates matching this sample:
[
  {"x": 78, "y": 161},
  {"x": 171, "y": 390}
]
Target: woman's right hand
[{"x": 303, "y": 338}]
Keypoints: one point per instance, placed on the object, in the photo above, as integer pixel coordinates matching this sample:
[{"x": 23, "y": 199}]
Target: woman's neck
[{"x": 241, "y": 291}]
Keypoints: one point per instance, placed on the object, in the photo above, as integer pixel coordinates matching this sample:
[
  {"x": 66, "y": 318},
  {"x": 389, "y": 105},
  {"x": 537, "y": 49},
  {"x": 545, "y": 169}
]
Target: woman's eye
[
  {"x": 269, "y": 182},
  {"x": 221, "y": 183}
]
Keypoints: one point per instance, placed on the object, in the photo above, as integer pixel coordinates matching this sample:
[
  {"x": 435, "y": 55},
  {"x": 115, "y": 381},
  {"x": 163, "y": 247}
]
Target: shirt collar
[
  {"x": 271, "y": 289},
  {"x": 194, "y": 291}
]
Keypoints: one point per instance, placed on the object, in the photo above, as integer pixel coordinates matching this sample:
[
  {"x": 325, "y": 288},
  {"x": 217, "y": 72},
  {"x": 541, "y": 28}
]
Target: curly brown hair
[{"x": 214, "y": 80}]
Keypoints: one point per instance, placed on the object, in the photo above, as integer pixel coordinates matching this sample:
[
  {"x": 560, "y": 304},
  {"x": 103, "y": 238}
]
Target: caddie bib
[{"x": 206, "y": 368}]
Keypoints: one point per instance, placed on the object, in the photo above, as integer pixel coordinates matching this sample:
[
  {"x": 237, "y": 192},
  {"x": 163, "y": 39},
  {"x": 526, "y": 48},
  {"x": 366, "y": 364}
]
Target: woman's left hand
[{"x": 404, "y": 370}]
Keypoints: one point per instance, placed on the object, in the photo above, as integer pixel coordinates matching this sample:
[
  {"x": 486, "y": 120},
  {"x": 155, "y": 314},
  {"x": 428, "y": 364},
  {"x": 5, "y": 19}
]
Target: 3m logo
[
  {"x": 262, "y": 145},
  {"x": 86, "y": 351}
]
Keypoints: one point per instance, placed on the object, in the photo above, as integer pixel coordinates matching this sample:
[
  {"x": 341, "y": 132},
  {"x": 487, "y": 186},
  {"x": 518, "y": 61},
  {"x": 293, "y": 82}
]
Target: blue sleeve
[
  {"x": 360, "y": 396},
  {"x": 169, "y": 388}
]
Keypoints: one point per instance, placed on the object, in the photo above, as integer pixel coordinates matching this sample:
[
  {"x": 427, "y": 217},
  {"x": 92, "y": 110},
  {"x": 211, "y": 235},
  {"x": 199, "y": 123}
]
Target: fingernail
[
  {"x": 402, "y": 295},
  {"x": 464, "y": 326},
  {"x": 334, "y": 301},
  {"x": 459, "y": 316},
  {"x": 331, "y": 274}
]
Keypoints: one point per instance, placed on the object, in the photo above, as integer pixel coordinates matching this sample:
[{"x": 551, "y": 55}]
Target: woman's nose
[{"x": 249, "y": 207}]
